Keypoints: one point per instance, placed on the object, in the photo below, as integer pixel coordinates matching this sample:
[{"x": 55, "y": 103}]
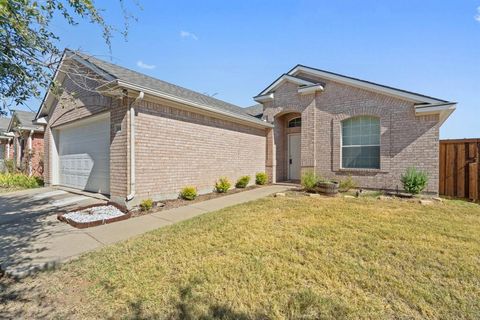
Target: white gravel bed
[{"x": 94, "y": 214}]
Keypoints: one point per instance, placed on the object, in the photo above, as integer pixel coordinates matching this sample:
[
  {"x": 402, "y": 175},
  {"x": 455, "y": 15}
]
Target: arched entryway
[{"x": 288, "y": 128}]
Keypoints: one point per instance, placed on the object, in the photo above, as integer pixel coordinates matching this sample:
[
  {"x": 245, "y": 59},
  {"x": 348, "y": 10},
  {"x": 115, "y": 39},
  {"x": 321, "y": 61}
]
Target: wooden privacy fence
[{"x": 460, "y": 168}]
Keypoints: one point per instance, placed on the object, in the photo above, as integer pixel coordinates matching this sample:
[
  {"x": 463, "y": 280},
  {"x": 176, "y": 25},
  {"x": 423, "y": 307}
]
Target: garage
[{"x": 84, "y": 155}]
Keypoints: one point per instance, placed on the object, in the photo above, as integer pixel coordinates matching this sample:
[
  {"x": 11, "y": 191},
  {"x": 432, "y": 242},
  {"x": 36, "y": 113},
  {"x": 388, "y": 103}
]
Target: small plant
[
  {"x": 261, "y": 178},
  {"x": 309, "y": 180},
  {"x": 146, "y": 205},
  {"x": 188, "y": 193},
  {"x": 222, "y": 185},
  {"x": 242, "y": 182},
  {"x": 414, "y": 181},
  {"x": 347, "y": 184}
]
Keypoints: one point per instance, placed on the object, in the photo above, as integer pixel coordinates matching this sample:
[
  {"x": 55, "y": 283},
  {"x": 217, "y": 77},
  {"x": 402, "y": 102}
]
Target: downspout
[
  {"x": 30, "y": 152},
  {"x": 132, "y": 146}
]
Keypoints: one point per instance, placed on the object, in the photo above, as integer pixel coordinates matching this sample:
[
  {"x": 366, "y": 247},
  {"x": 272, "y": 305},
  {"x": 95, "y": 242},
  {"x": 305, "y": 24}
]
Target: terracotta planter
[{"x": 329, "y": 188}]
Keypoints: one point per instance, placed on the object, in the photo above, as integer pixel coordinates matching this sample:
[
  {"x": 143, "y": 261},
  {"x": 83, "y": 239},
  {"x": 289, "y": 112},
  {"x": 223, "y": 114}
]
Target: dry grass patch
[{"x": 290, "y": 258}]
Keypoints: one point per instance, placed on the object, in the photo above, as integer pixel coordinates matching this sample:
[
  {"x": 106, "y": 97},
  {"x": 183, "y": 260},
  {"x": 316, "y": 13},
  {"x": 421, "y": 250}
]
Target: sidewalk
[{"x": 62, "y": 242}]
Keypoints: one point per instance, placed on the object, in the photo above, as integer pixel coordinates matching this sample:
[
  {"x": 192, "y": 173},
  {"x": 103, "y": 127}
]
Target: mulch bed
[{"x": 176, "y": 203}]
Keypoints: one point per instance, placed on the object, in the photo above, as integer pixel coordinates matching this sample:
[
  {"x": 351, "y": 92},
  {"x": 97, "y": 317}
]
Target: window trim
[
  {"x": 288, "y": 123},
  {"x": 379, "y": 145}
]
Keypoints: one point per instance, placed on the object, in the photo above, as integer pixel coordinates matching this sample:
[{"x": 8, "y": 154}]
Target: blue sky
[{"x": 234, "y": 49}]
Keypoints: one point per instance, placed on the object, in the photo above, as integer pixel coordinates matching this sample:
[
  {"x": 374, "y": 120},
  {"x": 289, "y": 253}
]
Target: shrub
[
  {"x": 414, "y": 181},
  {"x": 347, "y": 184},
  {"x": 19, "y": 180},
  {"x": 146, "y": 205},
  {"x": 261, "y": 178},
  {"x": 9, "y": 166},
  {"x": 222, "y": 185},
  {"x": 309, "y": 180},
  {"x": 242, "y": 182},
  {"x": 188, "y": 193}
]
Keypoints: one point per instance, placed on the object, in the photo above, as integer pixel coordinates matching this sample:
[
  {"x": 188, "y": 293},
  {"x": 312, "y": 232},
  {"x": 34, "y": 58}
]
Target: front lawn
[{"x": 295, "y": 258}]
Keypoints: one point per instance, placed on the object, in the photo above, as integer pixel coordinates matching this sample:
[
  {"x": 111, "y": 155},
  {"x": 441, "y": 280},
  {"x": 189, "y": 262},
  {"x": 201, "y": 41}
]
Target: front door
[{"x": 294, "y": 156}]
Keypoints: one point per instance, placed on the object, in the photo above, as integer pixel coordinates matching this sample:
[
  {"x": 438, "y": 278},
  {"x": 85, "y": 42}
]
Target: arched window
[
  {"x": 361, "y": 142},
  {"x": 295, "y": 122}
]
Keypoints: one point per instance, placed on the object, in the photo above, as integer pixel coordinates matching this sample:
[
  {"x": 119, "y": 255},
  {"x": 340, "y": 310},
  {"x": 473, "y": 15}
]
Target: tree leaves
[{"x": 30, "y": 53}]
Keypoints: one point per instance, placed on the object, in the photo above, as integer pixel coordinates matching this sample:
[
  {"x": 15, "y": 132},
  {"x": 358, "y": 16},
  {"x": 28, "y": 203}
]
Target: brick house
[
  {"x": 6, "y": 150},
  {"x": 132, "y": 136},
  {"x": 26, "y": 144},
  {"x": 341, "y": 126}
]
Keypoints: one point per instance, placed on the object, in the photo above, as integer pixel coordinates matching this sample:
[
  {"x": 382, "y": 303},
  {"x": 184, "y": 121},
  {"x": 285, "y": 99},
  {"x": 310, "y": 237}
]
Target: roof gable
[
  {"x": 23, "y": 120},
  {"x": 367, "y": 85},
  {"x": 4, "y": 122},
  {"x": 284, "y": 78}
]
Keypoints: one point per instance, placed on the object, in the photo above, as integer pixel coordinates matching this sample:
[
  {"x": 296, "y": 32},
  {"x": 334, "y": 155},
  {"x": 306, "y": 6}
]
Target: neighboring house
[
  {"x": 6, "y": 150},
  {"x": 133, "y": 137},
  {"x": 27, "y": 147}
]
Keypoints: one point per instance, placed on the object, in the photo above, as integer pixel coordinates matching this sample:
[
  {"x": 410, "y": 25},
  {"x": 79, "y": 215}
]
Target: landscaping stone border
[{"x": 83, "y": 225}]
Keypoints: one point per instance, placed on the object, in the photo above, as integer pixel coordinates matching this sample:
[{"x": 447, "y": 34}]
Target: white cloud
[
  {"x": 477, "y": 17},
  {"x": 186, "y": 34},
  {"x": 143, "y": 65}
]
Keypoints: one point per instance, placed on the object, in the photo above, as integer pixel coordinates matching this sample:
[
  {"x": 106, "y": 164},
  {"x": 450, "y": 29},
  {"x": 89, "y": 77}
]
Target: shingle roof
[
  {"x": 4, "y": 122},
  {"x": 25, "y": 119},
  {"x": 256, "y": 110},
  {"x": 143, "y": 80}
]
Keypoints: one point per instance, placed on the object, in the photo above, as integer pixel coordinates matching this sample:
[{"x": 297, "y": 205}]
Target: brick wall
[
  {"x": 84, "y": 104},
  {"x": 176, "y": 148},
  {"x": 37, "y": 154},
  {"x": 3, "y": 152},
  {"x": 406, "y": 140}
]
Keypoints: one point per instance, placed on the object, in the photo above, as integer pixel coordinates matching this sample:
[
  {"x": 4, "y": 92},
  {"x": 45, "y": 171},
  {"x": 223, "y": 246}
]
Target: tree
[{"x": 30, "y": 52}]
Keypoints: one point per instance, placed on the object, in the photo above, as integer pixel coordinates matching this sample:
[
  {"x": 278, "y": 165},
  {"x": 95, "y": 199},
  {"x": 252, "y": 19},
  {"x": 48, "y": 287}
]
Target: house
[
  {"x": 27, "y": 142},
  {"x": 119, "y": 132},
  {"x": 5, "y": 142},
  {"x": 341, "y": 126}
]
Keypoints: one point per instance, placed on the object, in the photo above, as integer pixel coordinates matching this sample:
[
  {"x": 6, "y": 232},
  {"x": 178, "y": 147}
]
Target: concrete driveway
[{"x": 28, "y": 227}]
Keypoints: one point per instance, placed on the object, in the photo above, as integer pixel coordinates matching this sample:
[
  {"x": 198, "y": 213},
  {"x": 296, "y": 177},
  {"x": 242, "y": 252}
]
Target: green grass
[{"x": 295, "y": 258}]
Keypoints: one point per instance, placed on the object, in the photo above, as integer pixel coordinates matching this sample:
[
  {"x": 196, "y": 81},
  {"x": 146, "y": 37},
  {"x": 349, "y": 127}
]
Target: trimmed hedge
[
  {"x": 261, "y": 178},
  {"x": 242, "y": 182},
  {"x": 222, "y": 185},
  {"x": 146, "y": 205},
  {"x": 188, "y": 193}
]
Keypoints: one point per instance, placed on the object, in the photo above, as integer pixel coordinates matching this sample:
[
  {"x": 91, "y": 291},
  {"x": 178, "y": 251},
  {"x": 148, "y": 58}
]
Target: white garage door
[{"x": 84, "y": 156}]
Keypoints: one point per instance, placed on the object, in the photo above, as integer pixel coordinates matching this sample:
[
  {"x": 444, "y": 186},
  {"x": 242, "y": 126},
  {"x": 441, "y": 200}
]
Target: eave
[
  {"x": 283, "y": 78},
  {"x": 264, "y": 98},
  {"x": 444, "y": 110},
  {"x": 371, "y": 86},
  {"x": 114, "y": 86}
]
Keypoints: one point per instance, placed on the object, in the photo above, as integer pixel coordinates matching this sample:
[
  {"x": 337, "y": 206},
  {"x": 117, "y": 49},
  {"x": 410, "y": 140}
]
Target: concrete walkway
[{"x": 53, "y": 242}]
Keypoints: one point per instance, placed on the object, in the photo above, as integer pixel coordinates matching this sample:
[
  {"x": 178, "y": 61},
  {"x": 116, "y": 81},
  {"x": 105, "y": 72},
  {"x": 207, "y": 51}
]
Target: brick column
[
  {"x": 308, "y": 134},
  {"x": 270, "y": 165}
]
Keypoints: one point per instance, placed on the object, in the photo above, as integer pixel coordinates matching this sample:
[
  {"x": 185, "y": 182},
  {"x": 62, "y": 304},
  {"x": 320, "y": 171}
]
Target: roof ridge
[
  {"x": 368, "y": 82},
  {"x": 87, "y": 57}
]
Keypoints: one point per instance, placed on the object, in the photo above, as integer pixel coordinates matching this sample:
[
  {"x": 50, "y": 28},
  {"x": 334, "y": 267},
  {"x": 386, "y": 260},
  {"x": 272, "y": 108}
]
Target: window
[
  {"x": 297, "y": 122},
  {"x": 361, "y": 143}
]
